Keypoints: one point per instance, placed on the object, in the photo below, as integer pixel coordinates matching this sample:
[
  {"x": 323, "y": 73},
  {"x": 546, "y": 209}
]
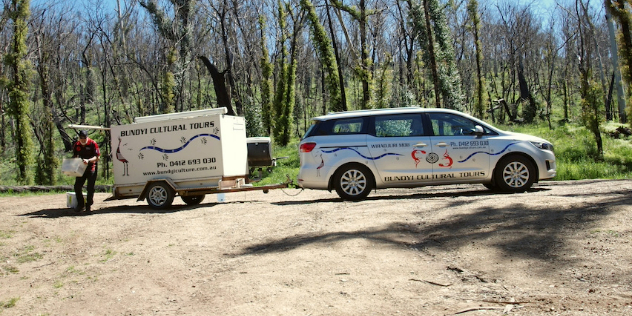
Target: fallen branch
[
  {"x": 505, "y": 303},
  {"x": 482, "y": 308},
  {"x": 430, "y": 282}
]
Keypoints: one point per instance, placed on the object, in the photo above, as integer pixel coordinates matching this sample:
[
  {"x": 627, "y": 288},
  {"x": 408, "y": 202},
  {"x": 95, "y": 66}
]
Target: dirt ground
[{"x": 562, "y": 248}]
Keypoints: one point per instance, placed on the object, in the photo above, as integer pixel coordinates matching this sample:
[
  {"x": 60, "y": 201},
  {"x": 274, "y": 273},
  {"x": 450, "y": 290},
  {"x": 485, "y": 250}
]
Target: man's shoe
[
  {"x": 79, "y": 208},
  {"x": 88, "y": 208}
]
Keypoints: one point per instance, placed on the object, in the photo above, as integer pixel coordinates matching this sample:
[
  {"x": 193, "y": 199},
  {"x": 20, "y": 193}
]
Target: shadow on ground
[
  {"x": 533, "y": 231},
  {"x": 411, "y": 196},
  {"x": 129, "y": 209}
]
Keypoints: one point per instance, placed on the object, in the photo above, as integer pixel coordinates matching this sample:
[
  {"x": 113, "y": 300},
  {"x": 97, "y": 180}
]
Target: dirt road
[{"x": 561, "y": 248}]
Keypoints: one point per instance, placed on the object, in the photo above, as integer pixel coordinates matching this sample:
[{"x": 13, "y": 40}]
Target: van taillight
[{"x": 307, "y": 147}]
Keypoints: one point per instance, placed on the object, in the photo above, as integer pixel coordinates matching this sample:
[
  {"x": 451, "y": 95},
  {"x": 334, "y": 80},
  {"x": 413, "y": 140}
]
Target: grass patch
[
  {"x": 576, "y": 152},
  {"x": 58, "y": 285},
  {"x": 109, "y": 254},
  {"x": 10, "y": 303},
  {"x": 27, "y": 254},
  {"x": 285, "y": 167},
  {"x": 10, "y": 269},
  {"x": 6, "y": 234},
  {"x": 73, "y": 270}
]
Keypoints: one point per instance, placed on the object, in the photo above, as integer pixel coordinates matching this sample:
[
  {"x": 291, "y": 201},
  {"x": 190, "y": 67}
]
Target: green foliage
[
  {"x": 481, "y": 92},
  {"x": 285, "y": 94},
  {"x": 382, "y": 92},
  {"x": 326, "y": 55},
  {"x": 575, "y": 149},
  {"x": 438, "y": 38},
  {"x": 266, "y": 80},
  {"x": 285, "y": 167},
  {"x": 253, "y": 116},
  {"x": 19, "y": 88}
]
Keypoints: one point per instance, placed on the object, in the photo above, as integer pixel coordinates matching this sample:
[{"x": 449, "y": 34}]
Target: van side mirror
[{"x": 478, "y": 131}]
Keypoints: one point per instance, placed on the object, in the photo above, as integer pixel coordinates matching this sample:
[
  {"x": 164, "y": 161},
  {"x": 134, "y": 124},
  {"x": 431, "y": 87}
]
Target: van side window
[
  {"x": 347, "y": 126},
  {"x": 405, "y": 125},
  {"x": 446, "y": 124}
]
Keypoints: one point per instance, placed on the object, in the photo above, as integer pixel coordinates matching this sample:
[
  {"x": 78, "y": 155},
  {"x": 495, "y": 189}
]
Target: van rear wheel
[
  {"x": 353, "y": 182},
  {"x": 160, "y": 195}
]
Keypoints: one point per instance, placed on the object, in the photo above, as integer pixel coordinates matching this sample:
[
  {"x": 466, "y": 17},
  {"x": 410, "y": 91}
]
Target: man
[{"x": 88, "y": 150}]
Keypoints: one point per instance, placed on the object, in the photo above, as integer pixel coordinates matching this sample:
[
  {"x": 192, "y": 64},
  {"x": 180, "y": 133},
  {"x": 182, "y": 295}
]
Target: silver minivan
[{"x": 357, "y": 151}]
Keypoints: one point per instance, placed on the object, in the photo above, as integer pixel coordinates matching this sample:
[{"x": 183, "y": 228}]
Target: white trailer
[{"x": 188, "y": 154}]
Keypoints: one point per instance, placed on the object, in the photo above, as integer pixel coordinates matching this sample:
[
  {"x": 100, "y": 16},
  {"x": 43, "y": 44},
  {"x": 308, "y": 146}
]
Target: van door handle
[
  {"x": 420, "y": 145},
  {"x": 442, "y": 144}
]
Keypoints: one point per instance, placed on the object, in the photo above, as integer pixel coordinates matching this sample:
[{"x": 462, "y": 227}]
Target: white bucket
[
  {"x": 71, "y": 199},
  {"x": 221, "y": 197}
]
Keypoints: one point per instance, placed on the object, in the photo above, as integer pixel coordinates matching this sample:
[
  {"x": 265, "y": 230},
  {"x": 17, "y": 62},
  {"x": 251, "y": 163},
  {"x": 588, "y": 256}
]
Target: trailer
[{"x": 187, "y": 154}]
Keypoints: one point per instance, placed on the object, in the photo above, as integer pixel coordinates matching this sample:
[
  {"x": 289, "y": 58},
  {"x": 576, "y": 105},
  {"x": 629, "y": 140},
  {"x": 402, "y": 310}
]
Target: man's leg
[
  {"x": 79, "y": 181},
  {"x": 92, "y": 178}
]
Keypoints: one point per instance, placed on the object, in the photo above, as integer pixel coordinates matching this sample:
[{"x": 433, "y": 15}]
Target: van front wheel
[
  {"x": 353, "y": 182},
  {"x": 514, "y": 174}
]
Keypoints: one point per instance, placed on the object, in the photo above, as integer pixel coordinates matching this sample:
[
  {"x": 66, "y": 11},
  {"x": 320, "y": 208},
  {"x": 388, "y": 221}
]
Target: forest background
[{"x": 563, "y": 72}]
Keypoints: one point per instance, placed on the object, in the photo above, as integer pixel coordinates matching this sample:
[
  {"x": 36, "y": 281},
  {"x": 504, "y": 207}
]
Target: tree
[
  {"x": 266, "y": 81},
  {"x": 617, "y": 8},
  {"x": 363, "y": 69},
  {"x": 615, "y": 62},
  {"x": 436, "y": 40},
  {"x": 326, "y": 56},
  {"x": 285, "y": 94},
  {"x": 479, "y": 105},
  {"x": 178, "y": 32},
  {"x": 19, "y": 88},
  {"x": 592, "y": 99}
]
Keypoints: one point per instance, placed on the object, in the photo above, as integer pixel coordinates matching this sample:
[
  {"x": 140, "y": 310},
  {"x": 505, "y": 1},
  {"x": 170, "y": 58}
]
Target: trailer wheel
[
  {"x": 193, "y": 199},
  {"x": 160, "y": 195}
]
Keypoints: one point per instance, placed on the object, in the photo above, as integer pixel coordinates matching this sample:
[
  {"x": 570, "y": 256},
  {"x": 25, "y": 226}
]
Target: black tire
[
  {"x": 514, "y": 174},
  {"x": 353, "y": 182},
  {"x": 193, "y": 199},
  {"x": 160, "y": 195}
]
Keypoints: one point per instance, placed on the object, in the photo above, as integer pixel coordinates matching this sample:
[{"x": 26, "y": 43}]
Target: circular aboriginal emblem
[{"x": 432, "y": 158}]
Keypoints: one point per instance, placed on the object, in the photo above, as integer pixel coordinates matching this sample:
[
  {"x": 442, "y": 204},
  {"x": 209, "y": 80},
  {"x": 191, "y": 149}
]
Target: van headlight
[{"x": 543, "y": 146}]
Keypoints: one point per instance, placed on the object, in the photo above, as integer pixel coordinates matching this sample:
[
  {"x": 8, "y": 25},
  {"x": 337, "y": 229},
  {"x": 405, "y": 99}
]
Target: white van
[{"x": 355, "y": 152}]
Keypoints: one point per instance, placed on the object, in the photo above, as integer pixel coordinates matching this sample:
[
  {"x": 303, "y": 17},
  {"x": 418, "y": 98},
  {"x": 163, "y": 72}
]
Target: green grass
[
  {"x": 10, "y": 303},
  {"x": 285, "y": 167},
  {"x": 576, "y": 152},
  {"x": 6, "y": 234},
  {"x": 10, "y": 269},
  {"x": 27, "y": 254},
  {"x": 109, "y": 254}
]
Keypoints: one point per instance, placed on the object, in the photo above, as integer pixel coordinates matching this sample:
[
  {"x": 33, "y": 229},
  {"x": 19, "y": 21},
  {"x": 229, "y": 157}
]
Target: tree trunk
[
  {"x": 614, "y": 51},
  {"x": 219, "y": 83},
  {"x": 433, "y": 58},
  {"x": 341, "y": 78}
]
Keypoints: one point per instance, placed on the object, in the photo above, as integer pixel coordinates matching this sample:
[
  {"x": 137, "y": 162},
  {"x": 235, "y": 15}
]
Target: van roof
[{"x": 388, "y": 111}]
